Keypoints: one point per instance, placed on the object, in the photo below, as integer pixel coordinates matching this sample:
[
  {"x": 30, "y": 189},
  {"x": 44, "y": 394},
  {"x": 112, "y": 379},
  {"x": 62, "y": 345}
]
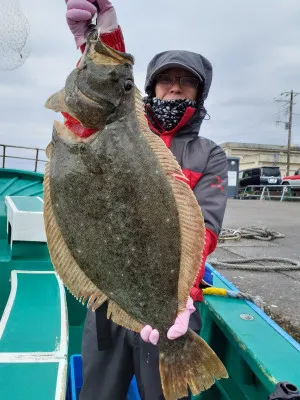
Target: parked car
[
  {"x": 260, "y": 176},
  {"x": 293, "y": 180}
]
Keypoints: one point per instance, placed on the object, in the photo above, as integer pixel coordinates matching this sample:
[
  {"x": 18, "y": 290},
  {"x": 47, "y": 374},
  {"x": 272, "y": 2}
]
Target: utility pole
[
  {"x": 289, "y": 133},
  {"x": 288, "y": 124}
]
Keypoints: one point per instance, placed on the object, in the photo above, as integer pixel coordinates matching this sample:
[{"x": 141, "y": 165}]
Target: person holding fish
[{"x": 176, "y": 86}]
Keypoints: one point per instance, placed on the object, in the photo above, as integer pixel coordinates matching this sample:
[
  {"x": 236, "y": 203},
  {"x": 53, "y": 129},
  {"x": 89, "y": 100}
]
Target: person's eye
[
  {"x": 164, "y": 79},
  {"x": 190, "y": 82}
]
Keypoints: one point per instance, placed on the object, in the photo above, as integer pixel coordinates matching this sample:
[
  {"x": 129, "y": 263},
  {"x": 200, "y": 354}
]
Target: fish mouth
[
  {"x": 107, "y": 55},
  {"x": 100, "y": 52}
]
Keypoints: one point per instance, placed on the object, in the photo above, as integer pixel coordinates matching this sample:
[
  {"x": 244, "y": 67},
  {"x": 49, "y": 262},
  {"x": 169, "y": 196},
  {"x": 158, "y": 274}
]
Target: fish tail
[{"x": 196, "y": 365}]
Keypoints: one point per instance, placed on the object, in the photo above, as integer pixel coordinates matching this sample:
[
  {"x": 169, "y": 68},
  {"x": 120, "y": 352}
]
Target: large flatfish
[{"x": 122, "y": 224}]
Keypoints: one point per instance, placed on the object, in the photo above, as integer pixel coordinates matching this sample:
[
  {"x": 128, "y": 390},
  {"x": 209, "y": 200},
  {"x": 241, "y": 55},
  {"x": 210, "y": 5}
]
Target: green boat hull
[{"x": 42, "y": 324}]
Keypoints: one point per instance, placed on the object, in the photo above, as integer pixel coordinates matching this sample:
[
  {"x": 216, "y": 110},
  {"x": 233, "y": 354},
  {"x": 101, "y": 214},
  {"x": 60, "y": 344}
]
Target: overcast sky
[{"x": 254, "y": 48}]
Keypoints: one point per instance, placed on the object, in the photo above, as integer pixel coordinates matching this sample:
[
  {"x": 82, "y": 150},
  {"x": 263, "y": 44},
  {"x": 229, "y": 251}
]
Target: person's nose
[{"x": 176, "y": 88}]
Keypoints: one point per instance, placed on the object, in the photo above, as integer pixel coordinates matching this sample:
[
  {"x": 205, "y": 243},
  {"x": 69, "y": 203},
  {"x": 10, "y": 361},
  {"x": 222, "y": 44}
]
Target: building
[{"x": 259, "y": 155}]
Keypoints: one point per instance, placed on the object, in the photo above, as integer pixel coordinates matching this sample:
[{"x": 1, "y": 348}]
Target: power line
[{"x": 262, "y": 120}]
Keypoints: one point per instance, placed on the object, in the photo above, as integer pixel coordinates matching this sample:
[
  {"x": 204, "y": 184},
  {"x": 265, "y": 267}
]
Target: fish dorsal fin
[
  {"x": 120, "y": 317},
  {"x": 192, "y": 228},
  {"x": 48, "y": 150}
]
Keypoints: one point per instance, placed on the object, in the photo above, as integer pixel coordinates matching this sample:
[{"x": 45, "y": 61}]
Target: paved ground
[{"x": 280, "y": 290}]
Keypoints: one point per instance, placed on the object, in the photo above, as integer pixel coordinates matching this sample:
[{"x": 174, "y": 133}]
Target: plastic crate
[
  {"x": 75, "y": 381},
  {"x": 75, "y": 377},
  {"x": 133, "y": 393}
]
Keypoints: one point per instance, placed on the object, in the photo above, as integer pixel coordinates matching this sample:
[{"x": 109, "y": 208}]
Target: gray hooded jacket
[{"x": 203, "y": 162}]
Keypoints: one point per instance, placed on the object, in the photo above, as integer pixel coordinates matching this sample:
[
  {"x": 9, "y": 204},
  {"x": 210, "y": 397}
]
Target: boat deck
[{"x": 34, "y": 338}]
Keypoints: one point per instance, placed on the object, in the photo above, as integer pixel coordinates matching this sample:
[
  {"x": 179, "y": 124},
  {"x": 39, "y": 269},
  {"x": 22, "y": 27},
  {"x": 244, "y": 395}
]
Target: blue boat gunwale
[
  {"x": 9, "y": 171},
  {"x": 258, "y": 311}
]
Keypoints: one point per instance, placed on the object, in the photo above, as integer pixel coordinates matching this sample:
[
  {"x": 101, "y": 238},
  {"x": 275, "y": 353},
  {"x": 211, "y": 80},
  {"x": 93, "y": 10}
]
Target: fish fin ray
[
  {"x": 120, "y": 317},
  {"x": 64, "y": 263},
  {"x": 192, "y": 229},
  {"x": 48, "y": 150},
  {"x": 196, "y": 366}
]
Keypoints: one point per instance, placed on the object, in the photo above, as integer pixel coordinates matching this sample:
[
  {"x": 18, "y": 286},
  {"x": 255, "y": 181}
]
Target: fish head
[{"x": 100, "y": 90}]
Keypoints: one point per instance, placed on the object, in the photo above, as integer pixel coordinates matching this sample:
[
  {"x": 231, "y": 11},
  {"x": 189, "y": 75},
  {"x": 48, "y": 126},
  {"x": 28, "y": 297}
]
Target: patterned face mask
[{"x": 169, "y": 112}]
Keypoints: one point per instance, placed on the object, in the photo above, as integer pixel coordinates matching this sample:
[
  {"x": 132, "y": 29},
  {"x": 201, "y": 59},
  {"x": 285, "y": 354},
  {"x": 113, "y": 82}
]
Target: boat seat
[
  {"x": 25, "y": 221},
  {"x": 33, "y": 338}
]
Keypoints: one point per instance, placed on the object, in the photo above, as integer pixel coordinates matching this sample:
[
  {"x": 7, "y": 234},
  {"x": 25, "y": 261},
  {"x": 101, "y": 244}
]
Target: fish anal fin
[
  {"x": 120, "y": 317},
  {"x": 76, "y": 281}
]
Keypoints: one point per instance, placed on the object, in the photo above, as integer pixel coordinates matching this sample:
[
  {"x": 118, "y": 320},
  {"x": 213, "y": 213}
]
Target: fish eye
[
  {"x": 128, "y": 85},
  {"x": 127, "y": 65}
]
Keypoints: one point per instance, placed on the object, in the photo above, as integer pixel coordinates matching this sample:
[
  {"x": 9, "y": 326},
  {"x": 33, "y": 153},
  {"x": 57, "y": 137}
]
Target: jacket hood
[{"x": 193, "y": 62}]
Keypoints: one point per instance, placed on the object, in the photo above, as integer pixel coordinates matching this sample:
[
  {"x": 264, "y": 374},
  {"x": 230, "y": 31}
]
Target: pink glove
[
  {"x": 179, "y": 328},
  {"x": 80, "y": 13},
  {"x": 107, "y": 17}
]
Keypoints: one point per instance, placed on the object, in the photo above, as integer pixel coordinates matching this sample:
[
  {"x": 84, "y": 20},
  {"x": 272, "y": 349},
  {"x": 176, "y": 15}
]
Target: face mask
[{"x": 169, "y": 112}]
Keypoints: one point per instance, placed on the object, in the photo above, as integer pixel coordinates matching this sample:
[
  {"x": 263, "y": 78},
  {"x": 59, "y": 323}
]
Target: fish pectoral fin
[
  {"x": 56, "y": 102},
  {"x": 120, "y": 317}
]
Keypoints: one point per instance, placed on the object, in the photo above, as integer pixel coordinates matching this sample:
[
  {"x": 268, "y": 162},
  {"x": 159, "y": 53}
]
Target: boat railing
[{"x": 33, "y": 154}]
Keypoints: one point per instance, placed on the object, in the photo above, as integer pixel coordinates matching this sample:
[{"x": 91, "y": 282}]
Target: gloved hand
[
  {"x": 80, "y": 13},
  {"x": 179, "y": 328}
]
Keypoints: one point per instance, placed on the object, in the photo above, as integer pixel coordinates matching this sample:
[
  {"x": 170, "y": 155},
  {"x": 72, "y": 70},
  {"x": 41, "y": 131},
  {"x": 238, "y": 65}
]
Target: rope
[
  {"x": 251, "y": 264},
  {"x": 250, "y": 232},
  {"x": 286, "y": 264},
  {"x": 246, "y": 296},
  {"x": 233, "y": 294}
]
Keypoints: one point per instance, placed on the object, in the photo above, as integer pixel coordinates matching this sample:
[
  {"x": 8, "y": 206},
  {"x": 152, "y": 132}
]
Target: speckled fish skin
[
  {"x": 110, "y": 209},
  {"x": 118, "y": 217}
]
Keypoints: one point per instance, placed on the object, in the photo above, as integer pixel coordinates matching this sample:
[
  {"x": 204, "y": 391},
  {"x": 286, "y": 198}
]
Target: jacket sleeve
[{"x": 211, "y": 190}]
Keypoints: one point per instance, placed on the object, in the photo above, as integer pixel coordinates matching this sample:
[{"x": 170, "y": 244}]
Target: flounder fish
[{"x": 122, "y": 224}]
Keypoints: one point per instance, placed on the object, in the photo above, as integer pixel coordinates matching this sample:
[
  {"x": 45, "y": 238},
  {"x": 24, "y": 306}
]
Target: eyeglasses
[{"x": 188, "y": 82}]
